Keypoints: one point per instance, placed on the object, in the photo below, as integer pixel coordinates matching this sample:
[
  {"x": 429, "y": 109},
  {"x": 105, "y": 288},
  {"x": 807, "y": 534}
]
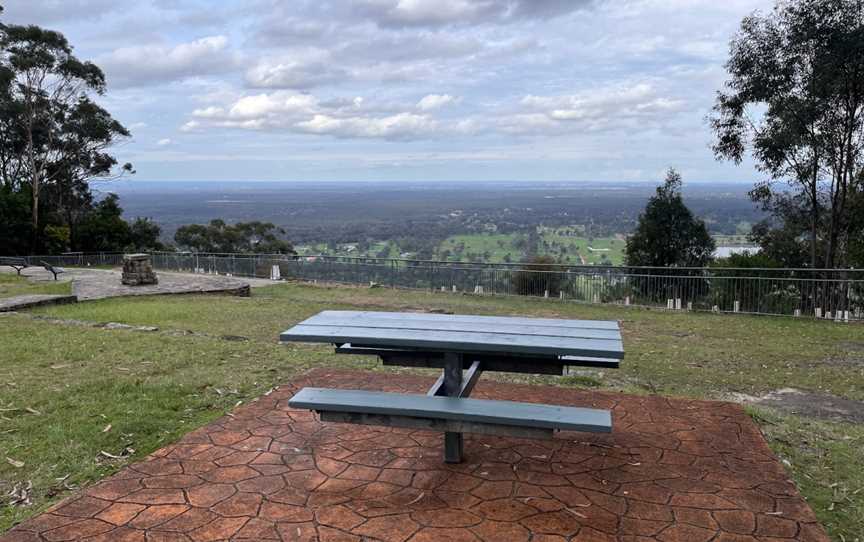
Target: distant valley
[{"x": 575, "y": 223}]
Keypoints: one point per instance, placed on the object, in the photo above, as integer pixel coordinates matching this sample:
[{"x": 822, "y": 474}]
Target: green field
[
  {"x": 486, "y": 247},
  {"x": 569, "y": 243},
  {"x": 68, "y": 392},
  {"x": 565, "y": 244}
]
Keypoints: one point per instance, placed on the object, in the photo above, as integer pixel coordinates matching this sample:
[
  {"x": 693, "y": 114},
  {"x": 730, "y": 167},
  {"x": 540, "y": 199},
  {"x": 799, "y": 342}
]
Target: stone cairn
[{"x": 137, "y": 270}]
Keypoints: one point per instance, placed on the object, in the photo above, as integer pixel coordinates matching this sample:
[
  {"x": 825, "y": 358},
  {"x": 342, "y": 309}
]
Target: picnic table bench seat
[
  {"x": 506, "y": 418},
  {"x": 18, "y": 264}
]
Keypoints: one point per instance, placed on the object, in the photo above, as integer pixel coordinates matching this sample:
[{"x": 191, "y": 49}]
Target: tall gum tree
[
  {"x": 62, "y": 135},
  {"x": 795, "y": 101}
]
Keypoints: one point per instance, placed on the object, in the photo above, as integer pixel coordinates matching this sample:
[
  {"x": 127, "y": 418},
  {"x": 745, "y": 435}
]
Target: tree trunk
[
  {"x": 814, "y": 220},
  {"x": 34, "y": 245}
]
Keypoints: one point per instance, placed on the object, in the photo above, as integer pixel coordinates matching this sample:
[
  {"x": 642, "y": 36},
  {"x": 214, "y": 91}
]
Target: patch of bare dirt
[
  {"x": 854, "y": 346},
  {"x": 813, "y": 405}
]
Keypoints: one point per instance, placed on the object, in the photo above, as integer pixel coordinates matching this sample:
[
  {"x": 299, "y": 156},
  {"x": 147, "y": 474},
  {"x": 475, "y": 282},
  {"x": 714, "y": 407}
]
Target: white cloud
[
  {"x": 435, "y": 101},
  {"x": 449, "y": 12},
  {"x": 144, "y": 65},
  {"x": 399, "y": 126},
  {"x": 638, "y": 105},
  {"x": 341, "y": 118},
  {"x": 51, "y": 11},
  {"x": 297, "y": 69},
  {"x": 164, "y": 142}
]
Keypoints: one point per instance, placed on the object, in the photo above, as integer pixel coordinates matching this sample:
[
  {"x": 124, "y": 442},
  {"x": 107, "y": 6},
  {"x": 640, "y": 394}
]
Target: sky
[{"x": 420, "y": 90}]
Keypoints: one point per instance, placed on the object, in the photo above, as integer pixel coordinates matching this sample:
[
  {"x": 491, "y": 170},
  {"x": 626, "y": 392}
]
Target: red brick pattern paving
[{"x": 672, "y": 470}]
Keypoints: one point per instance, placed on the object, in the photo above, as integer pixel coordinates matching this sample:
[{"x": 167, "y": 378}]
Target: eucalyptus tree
[
  {"x": 794, "y": 100},
  {"x": 53, "y": 130}
]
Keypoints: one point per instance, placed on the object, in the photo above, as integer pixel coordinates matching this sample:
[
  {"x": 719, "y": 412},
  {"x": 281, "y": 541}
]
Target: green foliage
[
  {"x": 54, "y": 138},
  {"x": 15, "y": 226},
  {"x": 783, "y": 244},
  {"x": 105, "y": 230},
  {"x": 144, "y": 235},
  {"x": 244, "y": 237},
  {"x": 793, "y": 100},
  {"x": 668, "y": 235},
  {"x": 55, "y": 238},
  {"x": 538, "y": 277}
]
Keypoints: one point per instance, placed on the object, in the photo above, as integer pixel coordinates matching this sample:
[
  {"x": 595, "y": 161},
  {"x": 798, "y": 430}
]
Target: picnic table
[{"x": 455, "y": 343}]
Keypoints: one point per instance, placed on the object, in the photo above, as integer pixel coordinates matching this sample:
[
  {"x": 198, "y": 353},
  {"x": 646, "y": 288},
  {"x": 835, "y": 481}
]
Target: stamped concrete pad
[{"x": 671, "y": 470}]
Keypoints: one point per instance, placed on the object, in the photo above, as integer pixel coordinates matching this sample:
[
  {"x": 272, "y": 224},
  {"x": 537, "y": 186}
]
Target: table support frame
[{"x": 453, "y": 442}]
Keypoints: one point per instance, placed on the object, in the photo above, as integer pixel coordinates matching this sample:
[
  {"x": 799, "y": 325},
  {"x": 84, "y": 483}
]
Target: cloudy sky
[{"x": 407, "y": 89}]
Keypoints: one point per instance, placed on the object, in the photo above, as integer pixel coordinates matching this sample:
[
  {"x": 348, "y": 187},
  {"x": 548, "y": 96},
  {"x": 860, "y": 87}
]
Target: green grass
[
  {"x": 12, "y": 285},
  {"x": 487, "y": 247},
  {"x": 606, "y": 250},
  {"x": 153, "y": 387}
]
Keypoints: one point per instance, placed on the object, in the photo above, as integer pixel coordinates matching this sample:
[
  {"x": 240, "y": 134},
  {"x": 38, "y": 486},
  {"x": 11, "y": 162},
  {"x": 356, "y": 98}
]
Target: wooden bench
[
  {"x": 18, "y": 264},
  {"x": 52, "y": 269},
  {"x": 450, "y": 414}
]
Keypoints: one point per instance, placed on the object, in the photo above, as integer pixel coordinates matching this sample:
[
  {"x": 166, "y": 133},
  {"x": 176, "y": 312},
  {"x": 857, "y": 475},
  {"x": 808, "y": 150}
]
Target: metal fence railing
[{"x": 819, "y": 293}]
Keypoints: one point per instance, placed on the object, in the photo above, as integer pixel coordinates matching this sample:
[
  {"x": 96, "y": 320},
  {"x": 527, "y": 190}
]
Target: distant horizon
[{"x": 412, "y": 182}]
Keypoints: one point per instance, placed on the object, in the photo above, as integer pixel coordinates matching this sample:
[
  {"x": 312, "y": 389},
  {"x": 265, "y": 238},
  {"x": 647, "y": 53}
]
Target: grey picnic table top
[{"x": 462, "y": 333}]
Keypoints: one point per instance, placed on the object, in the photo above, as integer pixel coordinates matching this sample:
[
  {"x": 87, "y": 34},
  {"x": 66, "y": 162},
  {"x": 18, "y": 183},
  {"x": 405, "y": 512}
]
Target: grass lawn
[
  {"x": 12, "y": 285},
  {"x": 68, "y": 392}
]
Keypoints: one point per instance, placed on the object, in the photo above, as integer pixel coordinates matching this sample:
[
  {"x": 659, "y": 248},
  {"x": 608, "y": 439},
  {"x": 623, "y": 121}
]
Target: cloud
[
  {"x": 164, "y": 142},
  {"x": 406, "y": 13},
  {"x": 250, "y": 75},
  {"x": 435, "y": 101},
  {"x": 297, "y": 70},
  {"x": 638, "y": 105},
  {"x": 50, "y": 11},
  {"x": 147, "y": 65},
  {"x": 341, "y": 118},
  {"x": 399, "y": 126}
]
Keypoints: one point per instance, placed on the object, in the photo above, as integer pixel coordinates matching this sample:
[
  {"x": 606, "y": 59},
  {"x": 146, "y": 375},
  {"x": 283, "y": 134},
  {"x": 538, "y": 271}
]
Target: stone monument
[{"x": 137, "y": 270}]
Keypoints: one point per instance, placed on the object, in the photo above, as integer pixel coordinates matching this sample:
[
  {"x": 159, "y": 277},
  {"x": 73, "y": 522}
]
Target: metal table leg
[{"x": 453, "y": 388}]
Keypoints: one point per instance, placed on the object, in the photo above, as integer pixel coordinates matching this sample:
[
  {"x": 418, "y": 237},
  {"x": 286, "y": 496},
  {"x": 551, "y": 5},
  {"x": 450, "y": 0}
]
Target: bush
[{"x": 538, "y": 276}]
